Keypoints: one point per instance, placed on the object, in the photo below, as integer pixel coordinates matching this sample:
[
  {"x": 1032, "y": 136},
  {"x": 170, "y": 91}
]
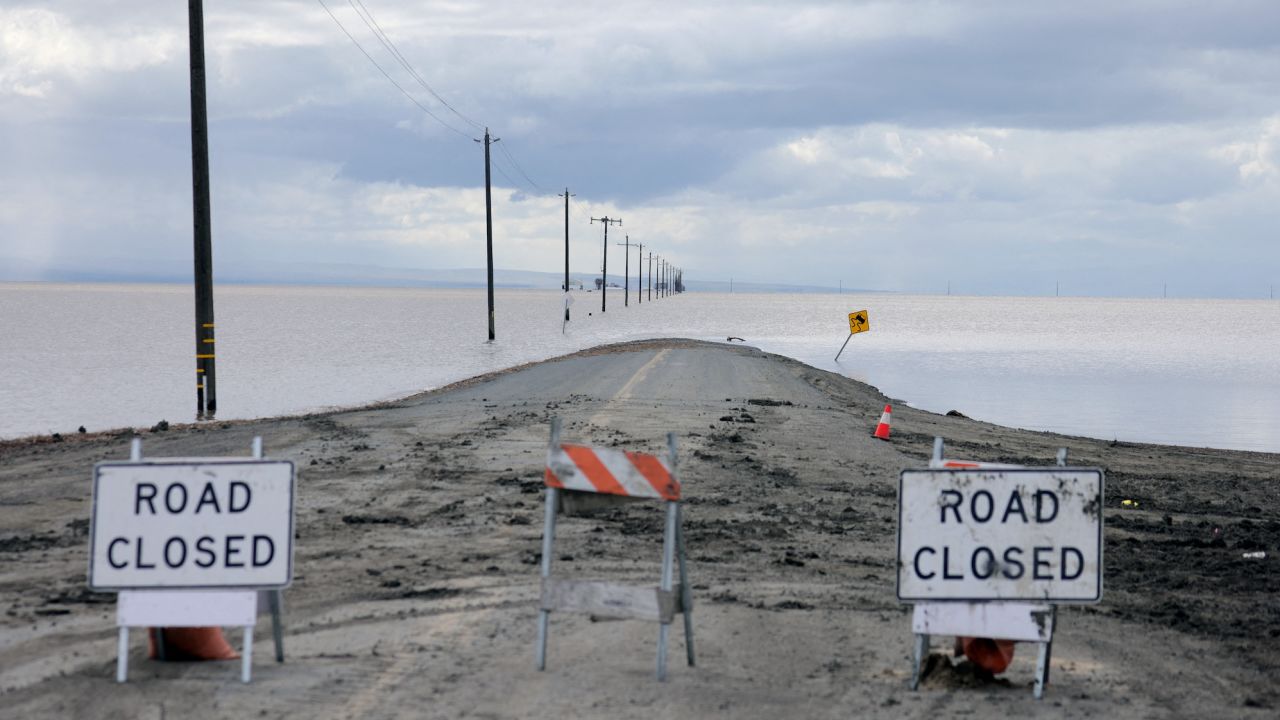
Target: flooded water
[{"x": 1187, "y": 372}]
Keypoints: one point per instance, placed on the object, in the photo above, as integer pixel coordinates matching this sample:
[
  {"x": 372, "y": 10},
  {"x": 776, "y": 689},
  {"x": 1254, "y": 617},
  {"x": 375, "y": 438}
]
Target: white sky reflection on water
[{"x": 1189, "y": 372}]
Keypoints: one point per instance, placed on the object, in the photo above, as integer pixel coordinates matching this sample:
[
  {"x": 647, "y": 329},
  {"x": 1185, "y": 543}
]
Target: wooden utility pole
[
  {"x": 640, "y": 275},
  {"x": 566, "y": 250},
  {"x": 650, "y": 276},
  {"x": 206, "y": 378},
  {"x": 488, "y": 222},
  {"x": 604, "y": 269},
  {"x": 626, "y": 273}
]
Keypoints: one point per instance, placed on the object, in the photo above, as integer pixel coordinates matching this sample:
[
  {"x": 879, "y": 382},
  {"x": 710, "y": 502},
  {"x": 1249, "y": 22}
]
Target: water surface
[{"x": 1188, "y": 372}]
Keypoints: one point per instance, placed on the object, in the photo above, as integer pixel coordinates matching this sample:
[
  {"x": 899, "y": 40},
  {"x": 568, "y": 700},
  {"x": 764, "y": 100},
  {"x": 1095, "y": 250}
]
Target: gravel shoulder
[{"x": 419, "y": 526}]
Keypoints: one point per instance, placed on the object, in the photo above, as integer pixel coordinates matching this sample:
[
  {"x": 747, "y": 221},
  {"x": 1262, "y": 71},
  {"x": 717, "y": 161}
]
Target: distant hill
[{"x": 377, "y": 276}]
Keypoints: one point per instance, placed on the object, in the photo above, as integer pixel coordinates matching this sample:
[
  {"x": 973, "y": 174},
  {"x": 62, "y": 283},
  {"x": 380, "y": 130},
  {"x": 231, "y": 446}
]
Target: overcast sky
[{"x": 1002, "y": 146}]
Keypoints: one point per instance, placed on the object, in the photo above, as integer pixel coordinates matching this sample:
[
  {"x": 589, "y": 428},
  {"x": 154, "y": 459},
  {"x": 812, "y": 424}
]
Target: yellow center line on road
[{"x": 624, "y": 394}]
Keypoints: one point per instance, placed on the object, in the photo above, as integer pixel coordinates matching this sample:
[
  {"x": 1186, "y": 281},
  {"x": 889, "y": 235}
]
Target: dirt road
[{"x": 419, "y": 528}]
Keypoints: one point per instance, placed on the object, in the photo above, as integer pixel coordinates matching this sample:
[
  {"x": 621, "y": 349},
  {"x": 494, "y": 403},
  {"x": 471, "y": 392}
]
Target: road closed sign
[
  {"x": 192, "y": 524},
  {"x": 1032, "y": 534}
]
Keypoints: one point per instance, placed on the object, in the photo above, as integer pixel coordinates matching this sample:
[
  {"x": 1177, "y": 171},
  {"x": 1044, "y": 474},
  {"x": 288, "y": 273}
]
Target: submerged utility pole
[
  {"x": 566, "y": 251},
  {"x": 604, "y": 269},
  {"x": 640, "y": 275},
  {"x": 650, "y": 276},
  {"x": 206, "y": 379},
  {"x": 488, "y": 222},
  {"x": 626, "y": 272}
]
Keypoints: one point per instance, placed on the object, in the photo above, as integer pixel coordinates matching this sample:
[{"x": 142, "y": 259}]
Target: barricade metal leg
[
  {"x": 246, "y": 656},
  {"x": 275, "y": 600},
  {"x": 122, "y": 654},
  {"x": 668, "y": 561},
  {"x": 686, "y": 593},
  {"x": 161, "y": 651},
  {"x": 548, "y": 537},
  {"x": 921, "y": 654}
]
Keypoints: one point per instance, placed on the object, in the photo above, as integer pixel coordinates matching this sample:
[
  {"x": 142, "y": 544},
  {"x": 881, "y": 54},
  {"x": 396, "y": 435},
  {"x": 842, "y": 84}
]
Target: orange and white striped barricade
[
  {"x": 578, "y": 472},
  {"x": 154, "y": 539},
  {"x": 997, "y": 619}
]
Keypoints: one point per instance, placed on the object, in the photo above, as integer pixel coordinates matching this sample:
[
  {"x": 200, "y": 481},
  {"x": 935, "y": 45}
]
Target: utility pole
[
  {"x": 604, "y": 269},
  {"x": 650, "y": 276},
  {"x": 566, "y": 251},
  {"x": 488, "y": 222},
  {"x": 640, "y": 275},
  {"x": 626, "y": 273},
  {"x": 206, "y": 380}
]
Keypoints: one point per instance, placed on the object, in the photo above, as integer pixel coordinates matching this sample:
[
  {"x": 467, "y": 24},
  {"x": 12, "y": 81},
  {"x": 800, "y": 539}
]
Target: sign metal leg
[
  {"x": 921, "y": 653},
  {"x": 846, "y": 342},
  {"x": 275, "y": 600},
  {"x": 1042, "y": 669},
  {"x": 1048, "y": 646},
  {"x": 246, "y": 657},
  {"x": 122, "y": 654}
]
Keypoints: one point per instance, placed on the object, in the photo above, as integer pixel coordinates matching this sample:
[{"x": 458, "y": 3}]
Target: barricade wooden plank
[
  {"x": 610, "y": 600},
  {"x": 610, "y": 471},
  {"x": 1028, "y": 622}
]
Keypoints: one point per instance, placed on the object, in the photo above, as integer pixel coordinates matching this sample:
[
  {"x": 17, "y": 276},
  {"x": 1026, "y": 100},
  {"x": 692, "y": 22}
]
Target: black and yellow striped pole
[{"x": 206, "y": 382}]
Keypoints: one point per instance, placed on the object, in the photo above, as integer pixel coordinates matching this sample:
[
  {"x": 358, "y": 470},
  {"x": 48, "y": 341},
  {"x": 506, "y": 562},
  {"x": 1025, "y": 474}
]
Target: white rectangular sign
[
  {"x": 1009, "y": 534},
  {"x": 192, "y": 524}
]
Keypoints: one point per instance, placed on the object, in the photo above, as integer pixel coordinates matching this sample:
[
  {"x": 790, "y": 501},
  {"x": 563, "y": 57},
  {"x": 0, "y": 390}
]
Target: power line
[
  {"x": 392, "y": 80},
  {"x": 498, "y": 167},
  {"x": 366, "y": 16},
  {"x": 371, "y": 23},
  {"x": 520, "y": 170}
]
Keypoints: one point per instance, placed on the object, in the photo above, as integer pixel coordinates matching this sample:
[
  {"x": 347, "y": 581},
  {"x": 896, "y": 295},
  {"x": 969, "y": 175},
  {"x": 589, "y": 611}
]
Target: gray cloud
[{"x": 1002, "y": 145}]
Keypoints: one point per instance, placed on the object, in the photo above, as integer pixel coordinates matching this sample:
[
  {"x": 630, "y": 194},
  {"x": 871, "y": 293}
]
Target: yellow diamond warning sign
[{"x": 859, "y": 321}]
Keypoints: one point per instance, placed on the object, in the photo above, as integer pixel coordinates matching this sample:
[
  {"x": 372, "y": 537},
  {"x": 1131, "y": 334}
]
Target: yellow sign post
[{"x": 859, "y": 321}]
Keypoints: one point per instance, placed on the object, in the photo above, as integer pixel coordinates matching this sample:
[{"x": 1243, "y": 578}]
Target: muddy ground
[{"x": 419, "y": 527}]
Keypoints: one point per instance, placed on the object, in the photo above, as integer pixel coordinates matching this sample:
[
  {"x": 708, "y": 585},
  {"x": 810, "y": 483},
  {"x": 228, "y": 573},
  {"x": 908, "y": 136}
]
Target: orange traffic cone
[
  {"x": 882, "y": 430},
  {"x": 993, "y": 656},
  {"x": 191, "y": 643}
]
